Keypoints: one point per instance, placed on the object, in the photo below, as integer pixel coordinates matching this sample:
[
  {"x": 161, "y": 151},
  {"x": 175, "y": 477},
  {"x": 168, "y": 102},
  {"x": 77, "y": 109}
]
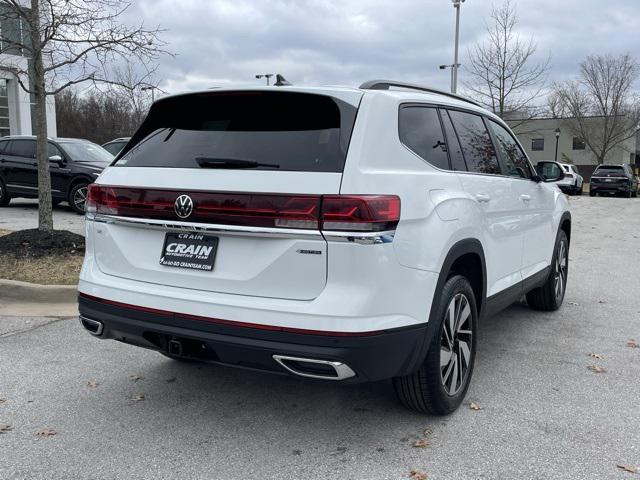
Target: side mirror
[
  {"x": 549, "y": 171},
  {"x": 56, "y": 159}
]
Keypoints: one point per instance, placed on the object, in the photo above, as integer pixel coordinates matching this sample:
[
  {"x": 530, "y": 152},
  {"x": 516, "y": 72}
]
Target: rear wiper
[{"x": 210, "y": 162}]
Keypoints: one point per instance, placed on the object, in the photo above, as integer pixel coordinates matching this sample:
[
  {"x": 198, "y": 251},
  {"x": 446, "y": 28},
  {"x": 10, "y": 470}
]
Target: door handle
[
  {"x": 483, "y": 197},
  {"x": 525, "y": 198}
]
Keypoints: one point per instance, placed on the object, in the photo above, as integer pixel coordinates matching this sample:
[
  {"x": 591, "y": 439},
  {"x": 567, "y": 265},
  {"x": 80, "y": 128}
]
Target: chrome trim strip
[
  {"x": 342, "y": 370},
  {"x": 234, "y": 230},
  {"x": 362, "y": 238},
  {"x": 90, "y": 321}
]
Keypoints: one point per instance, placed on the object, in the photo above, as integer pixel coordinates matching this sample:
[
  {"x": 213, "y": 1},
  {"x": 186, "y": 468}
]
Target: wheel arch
[
  {"x": 465, "y": 257},
  {"x": 565, "y": 225},
  {"x": 76, "y": 180}
]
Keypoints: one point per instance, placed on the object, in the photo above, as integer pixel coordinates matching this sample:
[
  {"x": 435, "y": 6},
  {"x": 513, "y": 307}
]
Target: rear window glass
[
  {"x": 23, "y": 148},
  {"x": 604, "y": 171},
  {"x": 278, "y": 131},
  {"x": 477, "y": 145}
]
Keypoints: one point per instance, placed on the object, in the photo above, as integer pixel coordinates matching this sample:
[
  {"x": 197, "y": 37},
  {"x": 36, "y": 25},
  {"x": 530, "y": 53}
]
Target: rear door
[
  {"x": 497, "y": 199},
  {"x": 252, "y": 164},
  {"x": 21, "y": 168}
]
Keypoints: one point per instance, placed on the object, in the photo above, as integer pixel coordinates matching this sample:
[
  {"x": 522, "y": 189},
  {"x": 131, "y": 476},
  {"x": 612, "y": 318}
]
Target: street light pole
[
  {"x": 557, "y": 139},
  {"x": 454, "y": 83},
  {"x": 153, "y": 90},
  {"x": 265, "y": 75},
  {"x": 444, "y": 67}
]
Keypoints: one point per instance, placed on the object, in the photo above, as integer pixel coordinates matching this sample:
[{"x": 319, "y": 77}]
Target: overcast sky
[{"x": 222, "y": 42}]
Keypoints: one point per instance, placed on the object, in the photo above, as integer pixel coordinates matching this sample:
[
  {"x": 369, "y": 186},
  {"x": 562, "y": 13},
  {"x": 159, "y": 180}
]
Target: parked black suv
[
  {"x": 614, "y": 179},
  {"x": 74, "y": 164}
]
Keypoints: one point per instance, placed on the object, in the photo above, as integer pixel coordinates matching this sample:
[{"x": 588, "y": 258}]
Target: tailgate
[{"x": 249, "y": 166}]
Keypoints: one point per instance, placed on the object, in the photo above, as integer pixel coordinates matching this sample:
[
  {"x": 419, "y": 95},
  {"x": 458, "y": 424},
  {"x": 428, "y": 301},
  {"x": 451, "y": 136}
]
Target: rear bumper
[
  {"x": 609, "y": 188},
  {"x": 371, "y": 356}
]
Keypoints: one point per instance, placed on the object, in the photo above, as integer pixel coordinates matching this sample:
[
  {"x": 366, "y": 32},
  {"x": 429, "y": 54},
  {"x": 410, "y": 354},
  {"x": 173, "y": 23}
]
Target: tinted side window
[
  {"x": 23, "y": 148},
  {"x": 515, "y": 160},
  {"x": 3, "y": 146},
  {"x": 420, "y": 131},
  {"x": 453, "y": 144},
  {"x": 53, "y": 150},
  {"x": 476, "y": 143}
]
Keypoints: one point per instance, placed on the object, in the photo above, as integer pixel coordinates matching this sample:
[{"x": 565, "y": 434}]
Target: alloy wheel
[
  {"x": 456, "y": 344},
  {"x": 560, "y": 271},
  {"x": 80, "y": 197}
]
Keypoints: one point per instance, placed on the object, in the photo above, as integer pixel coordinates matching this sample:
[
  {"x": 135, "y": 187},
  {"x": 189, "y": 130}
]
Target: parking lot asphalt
[
  {"x": 543, "y": 414},
  {"x": 22, "y": 213}
]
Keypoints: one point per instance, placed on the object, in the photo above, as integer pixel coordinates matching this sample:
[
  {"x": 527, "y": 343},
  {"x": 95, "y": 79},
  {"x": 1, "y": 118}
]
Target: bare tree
[
  {"x": 554, "y": 106},
  {"x": 503, "y": 74},
  {"x": 603, "y": 89},
  {"x": 69, "y": 42}
]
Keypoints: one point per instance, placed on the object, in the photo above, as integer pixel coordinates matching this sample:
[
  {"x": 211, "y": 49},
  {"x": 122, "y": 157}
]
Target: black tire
[
  {"x": 549, "y": 296},
  {"x": 5, "y": 196},
  {"x": 77, "y": 198},
  {"x": 430, "y": 389},
  {"x": 592, "y": 194}
]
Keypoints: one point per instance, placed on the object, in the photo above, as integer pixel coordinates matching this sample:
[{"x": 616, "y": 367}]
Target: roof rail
[{"x": 385, "y": 84}]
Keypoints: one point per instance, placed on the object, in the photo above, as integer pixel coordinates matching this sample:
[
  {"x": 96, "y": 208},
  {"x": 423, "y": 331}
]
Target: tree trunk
[{"x": 45, "y": 214}]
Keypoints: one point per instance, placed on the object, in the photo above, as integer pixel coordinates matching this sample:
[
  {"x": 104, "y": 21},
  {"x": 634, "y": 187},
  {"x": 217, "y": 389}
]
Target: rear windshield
[
  {"x": 279, "y": 131},
  {"x": 609, "y": 171}
]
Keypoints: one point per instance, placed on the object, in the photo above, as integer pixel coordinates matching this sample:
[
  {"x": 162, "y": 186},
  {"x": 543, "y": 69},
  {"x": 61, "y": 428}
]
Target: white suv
[{"x": 346, "y": 234}]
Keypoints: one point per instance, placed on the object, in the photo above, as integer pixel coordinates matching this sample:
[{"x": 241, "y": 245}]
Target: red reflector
[{"x": 369, "y": 213}]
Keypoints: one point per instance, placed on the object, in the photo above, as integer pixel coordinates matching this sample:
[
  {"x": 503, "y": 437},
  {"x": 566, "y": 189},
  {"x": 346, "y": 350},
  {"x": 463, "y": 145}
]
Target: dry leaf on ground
[
  {"x": 416, "y": 475},
  {"x": 421, "y": 444},
  {"x": 138, "y": 398},
  {"x": 632, "y": 344},
  {"x": 427, "y": 432},
  {"x": 597, "y": 369},
  {"x": 3, "y": 400},
  {"x": 627, "y": 468},
  {"x": 47, "y": 432},
  {"x": 596, "y": 356},
  {"x": 602, "y": 301},
  {"x": 4, "y": 428},
  {"x": 92, "y": 384},
  {"x": 134, "y": 377},
  {"x": 474, "y": 406},
  {"x": 575, "y": 304}
]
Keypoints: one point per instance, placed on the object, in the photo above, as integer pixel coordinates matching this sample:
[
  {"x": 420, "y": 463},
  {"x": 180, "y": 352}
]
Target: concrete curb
[{"x": 30, "y": 299}]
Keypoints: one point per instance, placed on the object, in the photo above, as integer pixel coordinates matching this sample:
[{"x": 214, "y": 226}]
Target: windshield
[
  {"x": 86, "y": 152},
  {"x": 275, "y": 131},
  {"x": 609, "y": 172}
]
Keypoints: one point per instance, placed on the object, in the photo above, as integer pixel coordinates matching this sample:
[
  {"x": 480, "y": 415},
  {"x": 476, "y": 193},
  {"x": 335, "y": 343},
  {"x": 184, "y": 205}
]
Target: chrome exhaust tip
[
  {"x": 313, "y": 368},
  {"x": 94, "y": 327}
]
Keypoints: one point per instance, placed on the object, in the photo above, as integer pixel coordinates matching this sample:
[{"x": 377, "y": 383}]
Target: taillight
[
  {"x": 364, "y": 213},
  {"x": 367, "y": 213}
]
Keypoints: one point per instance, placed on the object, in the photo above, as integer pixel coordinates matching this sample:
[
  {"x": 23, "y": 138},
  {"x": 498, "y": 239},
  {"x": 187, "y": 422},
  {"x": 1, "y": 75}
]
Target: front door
[{"x": 535, "y": 202}]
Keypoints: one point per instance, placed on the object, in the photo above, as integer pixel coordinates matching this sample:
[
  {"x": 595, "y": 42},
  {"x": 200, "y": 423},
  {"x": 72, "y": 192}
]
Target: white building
[
  {"x": 16, "y": 106},
  {"x": 538, "y": 136}
]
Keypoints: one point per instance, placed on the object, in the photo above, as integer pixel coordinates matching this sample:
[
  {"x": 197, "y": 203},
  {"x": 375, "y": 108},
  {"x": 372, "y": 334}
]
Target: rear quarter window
[
  {"x": 281, "y": 131},
  {"x": 420, "y": 130}
]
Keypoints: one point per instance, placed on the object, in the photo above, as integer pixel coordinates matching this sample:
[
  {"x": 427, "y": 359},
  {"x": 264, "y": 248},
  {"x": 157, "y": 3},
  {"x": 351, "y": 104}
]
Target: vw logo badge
[{"x": 183, "y": 206}]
